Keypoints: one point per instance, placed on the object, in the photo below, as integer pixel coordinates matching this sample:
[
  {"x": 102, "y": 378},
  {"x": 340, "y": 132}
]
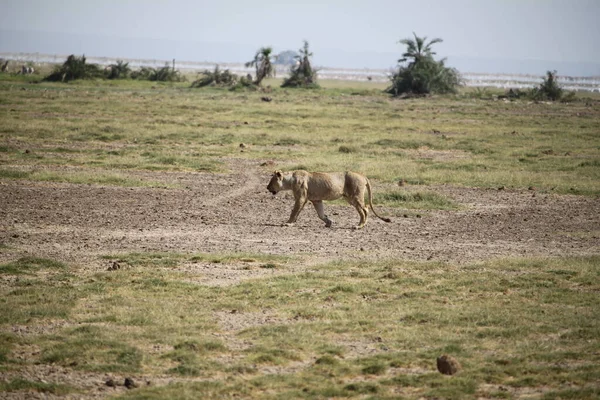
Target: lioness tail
[{"x": 371, "y": 204}]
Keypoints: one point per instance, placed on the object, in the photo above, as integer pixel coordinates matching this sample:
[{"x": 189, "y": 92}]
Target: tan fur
[{"x": 318, "y": 186}]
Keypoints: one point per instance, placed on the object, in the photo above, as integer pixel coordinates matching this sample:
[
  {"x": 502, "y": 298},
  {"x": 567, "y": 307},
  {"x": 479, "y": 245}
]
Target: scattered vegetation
[
  {"x": 302, "y": 75},
  {"x": 74, "y": 68},
  {"x": 549, "y": 89},
  {"x": 164, "y": 74},
  {"x": 216, "y": 78},
  {"x": 422, "y": 200},
  {"x": 119, "y": 70},
  {"x": 107, "y": 132},
  {"x": 423, "y": 74},
  {"x": 376, "y": 327}
]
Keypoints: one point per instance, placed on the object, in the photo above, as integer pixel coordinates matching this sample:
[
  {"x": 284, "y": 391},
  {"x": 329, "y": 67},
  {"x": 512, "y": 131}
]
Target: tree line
[{"x": 418, "y": 73}]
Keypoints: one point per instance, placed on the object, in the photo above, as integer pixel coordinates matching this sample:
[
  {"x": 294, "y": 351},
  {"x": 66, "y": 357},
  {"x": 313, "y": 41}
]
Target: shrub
[
  {"x": 164, "y": 74},
  {"x": 120, "y": 70},
  {"x": 548, "y": 89},
  {"x": 302, "y": 74},
  {"x": 74, "y": 68},
  {"x": 217, "y": 78},
  {"x": 423, "y": 74}
]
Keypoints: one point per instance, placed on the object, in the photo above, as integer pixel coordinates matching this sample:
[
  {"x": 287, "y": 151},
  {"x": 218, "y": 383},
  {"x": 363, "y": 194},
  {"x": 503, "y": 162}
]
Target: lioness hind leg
[
  {"x": 321, "y": 212},
  {"x": 362, "y": 211}
]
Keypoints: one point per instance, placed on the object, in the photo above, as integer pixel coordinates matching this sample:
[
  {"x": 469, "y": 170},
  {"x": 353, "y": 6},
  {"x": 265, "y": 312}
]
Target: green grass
[
  {"x": 173, "y": 259},
  {"x": 346, "y": 329},
  {"x": 19, "y": 384},
  {"x": 28, "y": 265},
  {"x": 423, "y": 200},
  {"x": 109, "y": 128},
  {"x": 85, "y": 176}
]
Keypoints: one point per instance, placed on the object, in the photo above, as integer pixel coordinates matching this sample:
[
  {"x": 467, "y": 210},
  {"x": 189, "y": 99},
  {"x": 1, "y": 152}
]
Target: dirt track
[{"x": 234, "y": 212}]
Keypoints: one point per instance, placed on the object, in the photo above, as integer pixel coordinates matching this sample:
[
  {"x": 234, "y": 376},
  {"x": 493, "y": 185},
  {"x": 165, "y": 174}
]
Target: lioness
[{"x": 318, "y": 186}]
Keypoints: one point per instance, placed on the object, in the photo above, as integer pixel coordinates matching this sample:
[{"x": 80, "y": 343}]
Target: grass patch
[
  {"x": 28, "y": 265},
  {"x": 171, "y": 260},
  {"x": 20, "y": 384},
  {"x": 13, "y": 174},
  {"x": 314, "y": 328},
  {"x": 461, "y": 140},
  {"x": 423, "y": 200}
]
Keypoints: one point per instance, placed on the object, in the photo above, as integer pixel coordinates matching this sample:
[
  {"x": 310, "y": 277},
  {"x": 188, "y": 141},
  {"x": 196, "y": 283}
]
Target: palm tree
[
  {"x": 417, "y": 49},
  {"x": 262, "y": 62}
]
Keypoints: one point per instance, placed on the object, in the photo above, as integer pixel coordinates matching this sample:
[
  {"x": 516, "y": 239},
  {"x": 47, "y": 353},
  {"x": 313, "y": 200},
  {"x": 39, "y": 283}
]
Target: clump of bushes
[
  {"x": 217, "y": 78},
  {"x": 548, "y": 90},
  {"x": 78, "y": 68},
  {"x": 120, "y": 70},
  {"x": 74, "y": 68},
  {"x": 422, "y": 74},
  {"x": 302, "y": 74},
  {"x": 164, "y": 74}
]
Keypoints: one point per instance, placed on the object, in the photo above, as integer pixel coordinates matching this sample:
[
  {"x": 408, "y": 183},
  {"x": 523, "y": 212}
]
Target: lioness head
[{"x": 276, "y": 183}]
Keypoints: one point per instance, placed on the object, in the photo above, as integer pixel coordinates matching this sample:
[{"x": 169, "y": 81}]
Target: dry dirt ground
[{"x": 224, "y": 213}]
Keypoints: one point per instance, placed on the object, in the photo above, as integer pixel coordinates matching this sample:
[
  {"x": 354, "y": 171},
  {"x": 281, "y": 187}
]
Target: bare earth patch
[{"x": 221, "y": 213}]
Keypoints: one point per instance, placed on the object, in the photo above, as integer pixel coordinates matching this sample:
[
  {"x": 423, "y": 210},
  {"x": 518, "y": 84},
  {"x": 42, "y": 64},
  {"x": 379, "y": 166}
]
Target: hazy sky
[{"x": 550, "y": 30}]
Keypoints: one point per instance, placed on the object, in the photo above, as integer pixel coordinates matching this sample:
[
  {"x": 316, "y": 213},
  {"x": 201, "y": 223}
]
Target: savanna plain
[{"x": 141, "y": 256}]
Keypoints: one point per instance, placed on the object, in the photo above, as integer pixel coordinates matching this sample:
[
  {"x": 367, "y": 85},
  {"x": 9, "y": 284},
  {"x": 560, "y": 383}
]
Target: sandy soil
[{"x": 219, "y": 213}]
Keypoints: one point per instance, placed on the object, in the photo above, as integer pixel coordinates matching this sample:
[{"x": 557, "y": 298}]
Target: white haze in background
[
  {"x": 480, "y": 36},
  {"x": 514, "y": 81}
]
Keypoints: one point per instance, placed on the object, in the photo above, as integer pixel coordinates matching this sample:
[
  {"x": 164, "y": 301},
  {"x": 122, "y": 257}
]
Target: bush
[
  {"x": 550, "y": 90},
  {"x": 120, "y": 70},
  {"x": 74, "y": 68},
  {"x": 427, "y": 76},
  {"x": 217, "y": 78},
  {"x": 164, "y": 74},
  {"x": 423, "y": 74},
  {"x": 302, "y": 75}
]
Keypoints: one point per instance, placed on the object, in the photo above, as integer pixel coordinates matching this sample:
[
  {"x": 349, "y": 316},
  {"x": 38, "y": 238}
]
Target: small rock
[
  {"x": 129, "y": 383},
  {"x": 115, "y": 266},
  {"x": 401, "y": 182},
  {"x": 111, "y": 383},
  {"x": 242, "y": 146},
  {"x": 265, "y": 98},
  {"x": 447, "y": 365}
]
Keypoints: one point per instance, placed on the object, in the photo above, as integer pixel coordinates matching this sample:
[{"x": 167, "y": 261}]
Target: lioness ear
[{"x": 278, "y": 173}]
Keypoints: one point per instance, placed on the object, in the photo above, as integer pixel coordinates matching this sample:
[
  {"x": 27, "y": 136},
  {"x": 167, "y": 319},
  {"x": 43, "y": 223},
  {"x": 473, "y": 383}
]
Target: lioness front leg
[
  {"x": 298, "y": 206},
  {"x": 321, "y": 212}
]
